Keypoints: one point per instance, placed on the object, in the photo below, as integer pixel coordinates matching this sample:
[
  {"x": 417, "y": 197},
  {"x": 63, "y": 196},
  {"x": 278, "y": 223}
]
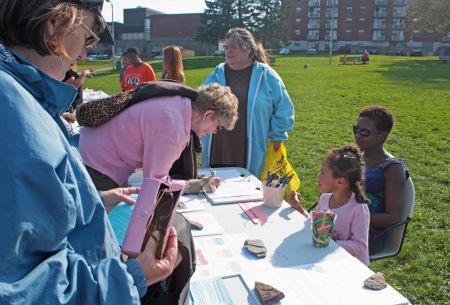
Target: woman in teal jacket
[
  {"x": 57, "y": 245},
  {"x": 265, "y": 109}
]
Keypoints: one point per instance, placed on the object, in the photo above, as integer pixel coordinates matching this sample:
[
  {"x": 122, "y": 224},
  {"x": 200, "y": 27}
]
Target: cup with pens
[{"x": 274, "y": 189}]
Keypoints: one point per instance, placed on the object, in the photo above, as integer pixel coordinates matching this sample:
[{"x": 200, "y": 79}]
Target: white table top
[
  {"x": 306, "y": 274},
  {"x": 294, "y": 261}
]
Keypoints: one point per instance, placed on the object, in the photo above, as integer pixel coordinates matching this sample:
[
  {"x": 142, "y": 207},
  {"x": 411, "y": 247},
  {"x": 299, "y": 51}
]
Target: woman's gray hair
[
  {"x": 247, "y": 42},
  {"x": 219, "y": 99}
]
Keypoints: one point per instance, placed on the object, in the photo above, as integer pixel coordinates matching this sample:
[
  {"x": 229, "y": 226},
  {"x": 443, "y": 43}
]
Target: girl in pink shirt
[{"x": 341, "y": 184}]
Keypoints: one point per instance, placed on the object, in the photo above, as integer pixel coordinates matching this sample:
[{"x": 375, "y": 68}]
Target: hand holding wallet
[{"x": 152, "y": 217}]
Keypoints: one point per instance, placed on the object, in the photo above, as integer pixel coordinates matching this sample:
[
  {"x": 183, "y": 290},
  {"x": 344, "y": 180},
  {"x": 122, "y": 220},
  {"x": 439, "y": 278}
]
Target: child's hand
[{"x": 296, "y": 200}]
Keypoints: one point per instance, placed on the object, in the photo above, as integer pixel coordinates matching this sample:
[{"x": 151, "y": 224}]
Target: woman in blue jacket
[
  {"x": 265, "y": 109},
  {"x": 57, "y": 245}
]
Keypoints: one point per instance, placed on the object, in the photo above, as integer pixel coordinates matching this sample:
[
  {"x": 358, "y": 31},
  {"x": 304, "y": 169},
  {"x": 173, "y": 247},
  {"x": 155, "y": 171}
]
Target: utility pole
[
  {"x": 112, "y": 33},
  {"x": 331, "y": 31}
]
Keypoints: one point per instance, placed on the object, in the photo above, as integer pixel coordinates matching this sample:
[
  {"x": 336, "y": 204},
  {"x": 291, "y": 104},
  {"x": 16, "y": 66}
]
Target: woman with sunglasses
[
  {"x": 58, "y": 246},
  {"x": 385, "y": 175}
]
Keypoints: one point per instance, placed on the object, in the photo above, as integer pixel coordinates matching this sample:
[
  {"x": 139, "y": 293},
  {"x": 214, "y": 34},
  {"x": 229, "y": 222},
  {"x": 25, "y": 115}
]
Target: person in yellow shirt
[{"x": 137, "y": 72}]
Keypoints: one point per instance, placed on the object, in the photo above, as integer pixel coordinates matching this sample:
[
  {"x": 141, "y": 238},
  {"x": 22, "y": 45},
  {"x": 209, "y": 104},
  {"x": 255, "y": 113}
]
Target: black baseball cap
[
  {"x": 133, "y": 50},
  {"x": 96, "y": 5}
]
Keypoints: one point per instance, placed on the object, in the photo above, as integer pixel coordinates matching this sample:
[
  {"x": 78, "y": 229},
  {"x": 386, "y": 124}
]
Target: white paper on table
[
  {"x": 334, "y": 283},
  {"x": 235, "y": 192},
  {"x": 222, "y": 290},
  {"x": 92, "y": 95},
  {"x": 210, "y": 224},
  {"x": 224, "y": 174},
  {"x": 191, "y": 203},
  {"x": 224, "y": 255},
  {"x": 210, "y": 292}
]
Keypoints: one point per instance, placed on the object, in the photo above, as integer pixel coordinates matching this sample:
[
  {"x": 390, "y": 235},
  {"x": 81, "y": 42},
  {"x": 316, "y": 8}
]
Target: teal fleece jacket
[
  {"x": 270, "y": 114},
  {"x": 57, "y": 245}
]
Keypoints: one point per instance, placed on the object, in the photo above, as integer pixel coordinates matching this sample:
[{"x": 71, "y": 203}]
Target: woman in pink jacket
[{"x": 152, "y": 134}]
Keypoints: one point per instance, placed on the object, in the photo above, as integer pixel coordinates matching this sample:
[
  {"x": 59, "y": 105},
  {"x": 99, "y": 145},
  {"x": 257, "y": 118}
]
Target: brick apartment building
[
  {"x": 151, "y": 30},
  {"x": 357, "y": 24},
  {"x": 353, "y": 24}
]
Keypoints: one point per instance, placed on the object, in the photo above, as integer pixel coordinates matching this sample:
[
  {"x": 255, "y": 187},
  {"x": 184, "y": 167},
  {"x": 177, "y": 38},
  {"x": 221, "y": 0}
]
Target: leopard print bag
[{"x": 96, "y": 113}]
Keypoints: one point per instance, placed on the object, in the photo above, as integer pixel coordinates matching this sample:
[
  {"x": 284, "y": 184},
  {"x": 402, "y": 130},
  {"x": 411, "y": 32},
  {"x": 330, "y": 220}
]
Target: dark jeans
[{"x": 101, "y": 181}]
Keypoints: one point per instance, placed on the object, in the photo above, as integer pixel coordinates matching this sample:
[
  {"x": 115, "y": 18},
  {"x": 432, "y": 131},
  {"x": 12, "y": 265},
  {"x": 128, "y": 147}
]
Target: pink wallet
[{"x": 153, "y": 216}]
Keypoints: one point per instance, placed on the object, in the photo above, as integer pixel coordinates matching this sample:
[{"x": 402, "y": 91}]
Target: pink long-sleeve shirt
[
  {"x": 150, "y": 135},
  {"x": 351, "y": 227}
]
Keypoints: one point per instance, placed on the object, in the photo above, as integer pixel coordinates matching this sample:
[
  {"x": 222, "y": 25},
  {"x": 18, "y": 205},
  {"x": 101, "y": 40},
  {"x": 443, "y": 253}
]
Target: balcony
[
  {"x": 328, "y": 25},
  {"x": 399, "y": 2},
  {"x": 334, "y": 3},
  {"x": 398, "y": 38},
  {"x": 400, "y": 26},
  {"x": 314, "y": 14},
  {"x": 314, "y": 3},
  {"x": 379, "y": 14},
  {"x": 381, "y": 2},
  {"x": 313, "y": 26},
  {"x": 332, "y": 14},
  {"x": 313, "y": 37},
  {"x": 378, "y": 37},
  {"x": 379, "y": 26},
  {"x": 399, "y": 14}
]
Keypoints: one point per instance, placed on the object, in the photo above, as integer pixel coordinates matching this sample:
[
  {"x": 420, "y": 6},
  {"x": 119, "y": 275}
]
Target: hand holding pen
[{"x": 215, "y": 181}]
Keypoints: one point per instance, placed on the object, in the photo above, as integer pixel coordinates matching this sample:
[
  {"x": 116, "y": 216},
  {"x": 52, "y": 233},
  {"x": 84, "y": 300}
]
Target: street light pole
[
  {"x": 331, "y": 31},
  {"x": 112, "y": 33}
]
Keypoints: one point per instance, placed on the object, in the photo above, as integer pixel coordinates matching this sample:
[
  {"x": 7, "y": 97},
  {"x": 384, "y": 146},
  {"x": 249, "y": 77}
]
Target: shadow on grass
[{"x": 430, "y": 72}]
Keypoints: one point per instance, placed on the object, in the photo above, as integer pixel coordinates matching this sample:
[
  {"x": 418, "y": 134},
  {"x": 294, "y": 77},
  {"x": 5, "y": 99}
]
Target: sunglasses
[
  {"x": 91, "y": 41},
  {"x": 363, "y": 131}
]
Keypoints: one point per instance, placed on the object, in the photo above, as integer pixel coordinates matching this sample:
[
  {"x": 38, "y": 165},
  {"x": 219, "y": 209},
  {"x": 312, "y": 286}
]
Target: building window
[
  {"x": 132, "y": 36},
  {"x": 348, "y": 31},
  {"x": 349, "y": 8},
  {"x": 363, "y": 7},
  {"x": 298, "y": 20},
  {"x": 361, "y": 31},
  {"x": 147, "y": 29},
  {"x": 298, "y": 10},
  {"x": 430, "y": 32},
  {"x": 297, "y": 32},
  {"x": 416, "y": 32},
  {"x": 362, "y": 19},
  {"x": 348, "y": 20}
]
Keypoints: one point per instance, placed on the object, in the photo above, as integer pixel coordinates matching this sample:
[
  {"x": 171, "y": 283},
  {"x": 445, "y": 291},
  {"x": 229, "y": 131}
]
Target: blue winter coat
[
  {"x": 57, "y": 245},
  {"x": 270, "y": 114}
]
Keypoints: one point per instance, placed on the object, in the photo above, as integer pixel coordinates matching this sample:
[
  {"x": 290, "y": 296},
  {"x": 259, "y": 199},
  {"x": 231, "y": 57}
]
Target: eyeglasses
[
  {"x": 363, "y": 131},
  {"x": 91, "y": 41}
]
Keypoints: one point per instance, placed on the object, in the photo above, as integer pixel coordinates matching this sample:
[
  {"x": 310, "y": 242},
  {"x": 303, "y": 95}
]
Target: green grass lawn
[{"x": 327, "y": 101}]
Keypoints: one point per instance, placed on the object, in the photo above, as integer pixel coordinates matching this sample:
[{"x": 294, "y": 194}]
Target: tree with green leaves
[
  {"x": 271, "y": 27},
  {"x": 221, "y": 15},
  {"x": 266, "y": 19},
  {"x": 429, "y": 15}
]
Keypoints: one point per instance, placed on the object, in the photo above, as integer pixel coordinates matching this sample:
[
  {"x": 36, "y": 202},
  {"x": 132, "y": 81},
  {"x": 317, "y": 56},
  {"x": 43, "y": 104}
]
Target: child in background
[{"x": 341, "y": 186}]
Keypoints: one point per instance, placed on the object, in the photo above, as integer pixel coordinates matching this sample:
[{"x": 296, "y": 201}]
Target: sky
[{"x": 165, "y": 6}]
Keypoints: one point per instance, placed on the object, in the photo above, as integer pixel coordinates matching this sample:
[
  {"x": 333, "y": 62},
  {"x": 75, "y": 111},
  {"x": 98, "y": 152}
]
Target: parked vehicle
[
  {"x": 311, "y": 52},
  {"x": 416, "y": 52},
  {"x": 284, "y": 51},
  {"x": 219, "y": 52},
  {"x": 97, "y": 57}
]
